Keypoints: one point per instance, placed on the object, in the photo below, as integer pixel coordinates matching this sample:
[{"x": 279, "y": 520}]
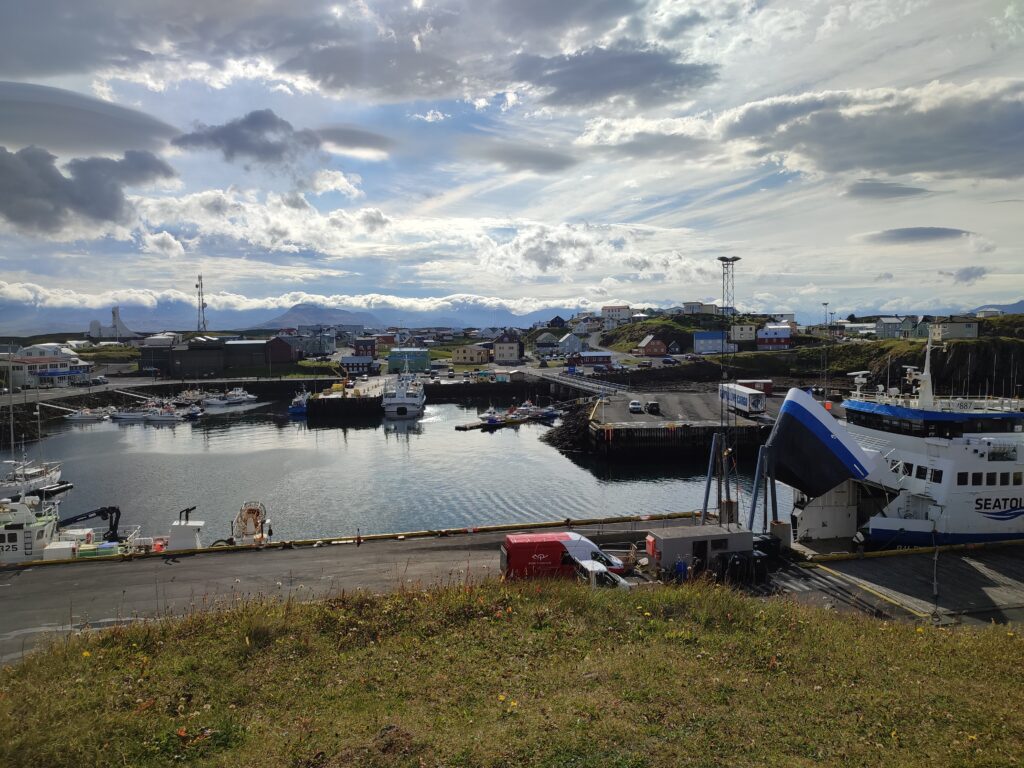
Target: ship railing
[{"x": 948, "y": 404}]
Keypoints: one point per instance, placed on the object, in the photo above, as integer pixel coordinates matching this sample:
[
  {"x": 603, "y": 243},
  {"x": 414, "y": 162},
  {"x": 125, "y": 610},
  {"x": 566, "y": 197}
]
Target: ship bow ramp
[{"x": 813, "y": 452}]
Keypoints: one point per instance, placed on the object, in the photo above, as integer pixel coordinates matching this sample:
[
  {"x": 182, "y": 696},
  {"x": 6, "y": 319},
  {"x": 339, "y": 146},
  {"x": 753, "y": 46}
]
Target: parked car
[
  {"x": 364, "y": 377},
  {"x": 652, "y": 407},
  {"x": 98, "y": 380},
  {"x": 451, "y": 374},
  {"x": 635, "y": 406},
  {"x": 645, "y": 364},
  {"x": 669, "y": 361}
]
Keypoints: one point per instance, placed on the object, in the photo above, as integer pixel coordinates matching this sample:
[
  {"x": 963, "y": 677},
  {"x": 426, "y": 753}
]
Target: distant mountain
[
  {"x": 313, "y": 314},
  {"x": 29, "y": 320},
  {"x": 1017, "y": 308}
]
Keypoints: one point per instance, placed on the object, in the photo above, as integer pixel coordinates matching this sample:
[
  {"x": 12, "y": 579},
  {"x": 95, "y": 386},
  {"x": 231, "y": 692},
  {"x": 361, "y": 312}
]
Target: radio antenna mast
[{"x": 200, "y": 306}]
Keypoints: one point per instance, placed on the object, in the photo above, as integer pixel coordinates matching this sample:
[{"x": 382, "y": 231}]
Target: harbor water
[{"x": 325, "y": 482}]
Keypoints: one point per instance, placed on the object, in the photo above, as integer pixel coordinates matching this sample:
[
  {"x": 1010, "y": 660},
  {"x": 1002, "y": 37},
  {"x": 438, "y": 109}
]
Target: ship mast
[{"x": 925, "y": 396}]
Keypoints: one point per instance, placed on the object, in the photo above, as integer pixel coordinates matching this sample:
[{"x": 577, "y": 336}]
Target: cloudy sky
[{"x": 521, "y": 154}]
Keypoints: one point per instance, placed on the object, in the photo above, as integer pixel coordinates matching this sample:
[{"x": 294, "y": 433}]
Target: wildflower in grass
[
  {"x": 502, "y": 697},
  {"x": 920, "y": 630},
  {"x": 86, "y": 654}
]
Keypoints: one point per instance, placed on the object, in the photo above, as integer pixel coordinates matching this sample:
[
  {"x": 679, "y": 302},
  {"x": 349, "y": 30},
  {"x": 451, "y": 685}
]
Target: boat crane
[{"x": 112, "y": 514}]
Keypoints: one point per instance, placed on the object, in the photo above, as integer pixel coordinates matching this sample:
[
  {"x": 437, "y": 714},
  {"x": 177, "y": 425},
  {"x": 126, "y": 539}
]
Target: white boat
[
  {"x": 492, "y": 416},
  {"x": 903, "y": 469},
  {"x": 251, "y": 525},
  {"x": 404, "y": 397},
  {"x": 235, "y": 396},
  {"x": 88, "y": 415},
  {"x": 26, "y": 528},
  {"x": 130, "y": 414},
  {"x": 298, "y": 404},
  {"x": 164, "y": 416},
  {"x": 25, "y": 476}
]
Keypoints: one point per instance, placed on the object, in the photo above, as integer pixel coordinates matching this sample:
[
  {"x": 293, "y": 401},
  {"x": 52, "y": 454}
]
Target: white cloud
[
  {"x": 336, "y": 181},
  {"x": 432, "y": 116},
  {"x": 162, "y": 243}
]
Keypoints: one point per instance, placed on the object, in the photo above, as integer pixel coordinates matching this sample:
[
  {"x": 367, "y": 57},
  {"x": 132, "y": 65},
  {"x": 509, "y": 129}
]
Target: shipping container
[{"x": 742, "y": 399}]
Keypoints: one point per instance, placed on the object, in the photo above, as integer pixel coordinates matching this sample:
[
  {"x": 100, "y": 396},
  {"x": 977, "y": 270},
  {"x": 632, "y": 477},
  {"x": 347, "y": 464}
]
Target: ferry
[{"x": 903, "y": 469}]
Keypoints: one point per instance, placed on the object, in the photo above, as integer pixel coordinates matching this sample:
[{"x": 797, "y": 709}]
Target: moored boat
[
  {"x": 903, "y": 468},
  {"x": 404, "y": 397}
]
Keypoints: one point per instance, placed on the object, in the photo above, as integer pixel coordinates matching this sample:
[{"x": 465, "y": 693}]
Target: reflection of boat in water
[
  {"x": 402, "y": 427},
  {"x": 903, "y": 469},
  {"x": 404, "y": 398}
]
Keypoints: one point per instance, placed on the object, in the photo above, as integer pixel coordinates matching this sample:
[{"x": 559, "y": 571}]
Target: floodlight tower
[
  {"x": 824, "y": 355},
  {"x": 200, "y": 306},
  {"x": 726, "y": 415}
]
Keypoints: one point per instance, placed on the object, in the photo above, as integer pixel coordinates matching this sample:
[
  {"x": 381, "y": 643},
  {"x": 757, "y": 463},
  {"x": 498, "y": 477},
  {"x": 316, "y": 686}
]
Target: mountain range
[{"x": 26, "y": 319}]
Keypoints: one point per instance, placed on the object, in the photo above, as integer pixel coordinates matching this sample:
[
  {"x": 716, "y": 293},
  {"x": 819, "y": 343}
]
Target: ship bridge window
[
  {"x": 1018, "y": 478},
  {"x": 922, "y": 472},
  {"x": 908, "y": 469},
  {"x": 961, "y": 478},
  {"x": 1004, "y": 478},
  {"x": 937, "y": 476},
  {"x": 976, "y": 478},
  {"x": 990, "y": 478}
]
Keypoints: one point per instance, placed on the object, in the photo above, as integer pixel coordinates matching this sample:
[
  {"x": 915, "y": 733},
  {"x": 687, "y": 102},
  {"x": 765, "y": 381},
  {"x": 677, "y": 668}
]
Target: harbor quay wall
[{"x": 679, "y": 438}]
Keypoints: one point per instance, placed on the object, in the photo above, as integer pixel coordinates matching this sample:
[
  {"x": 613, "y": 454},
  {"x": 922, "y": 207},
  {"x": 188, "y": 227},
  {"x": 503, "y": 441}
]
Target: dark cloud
[
  {"x": 966, "y": 275},
  {"x": 974, "y": 130},
  {"x": 350, "y": 137},
  {"x": 393, "y": 68},
  {"x": 36, "y": 196},
  {"x": 680, "y": 24},
  {"x": 917, "y": 235},
  {"x": 373, "y": 219},
  {"x": 68, "y": 122},
  {"x": 261, "y": 135},
  {"x": 521, "y": 157},
  {"x": 642, "y": 76},
  {"x": 872, "y": 189}
]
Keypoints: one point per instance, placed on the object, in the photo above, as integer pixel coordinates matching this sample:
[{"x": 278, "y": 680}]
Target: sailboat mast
[{"x": 10, "y": 389}]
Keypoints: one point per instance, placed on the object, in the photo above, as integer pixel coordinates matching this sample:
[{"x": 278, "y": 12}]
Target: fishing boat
[
  {"x": 235, "y": 396},
  {"x": 904, "y": 467},
  {"x": 27, "y": 475},
  {"x": 165, "y": 415},
  {"x": 298, "y": 404},
  {"x": 404, "y": 397},
  {"x": 130, "y": 414},
  {"x": 88, "y": 415},
  {"x": 27, "y": 526}
]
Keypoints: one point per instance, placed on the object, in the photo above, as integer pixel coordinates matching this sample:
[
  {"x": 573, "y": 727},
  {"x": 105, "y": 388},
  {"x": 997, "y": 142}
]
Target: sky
[{"x": 519, "y": 155}]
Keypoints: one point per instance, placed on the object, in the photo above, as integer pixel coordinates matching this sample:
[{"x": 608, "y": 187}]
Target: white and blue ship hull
[{"x": 938, "y": 477}]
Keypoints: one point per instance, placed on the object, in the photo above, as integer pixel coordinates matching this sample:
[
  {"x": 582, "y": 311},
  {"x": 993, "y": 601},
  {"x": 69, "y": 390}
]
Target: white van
[{"x": 599, "y": 577}]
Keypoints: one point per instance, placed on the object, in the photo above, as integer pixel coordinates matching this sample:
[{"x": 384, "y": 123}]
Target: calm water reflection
[{"x": 329, "y": 481}]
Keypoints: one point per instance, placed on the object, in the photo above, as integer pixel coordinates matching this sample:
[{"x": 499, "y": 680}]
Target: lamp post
[{"x": 824, "y": 357}]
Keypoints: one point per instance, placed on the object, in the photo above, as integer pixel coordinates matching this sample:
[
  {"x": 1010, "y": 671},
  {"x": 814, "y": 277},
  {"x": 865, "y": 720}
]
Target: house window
[{"x": 961, "y": 478}]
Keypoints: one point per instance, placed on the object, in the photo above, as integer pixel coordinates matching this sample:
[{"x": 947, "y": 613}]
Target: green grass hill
[{"x": 532, "y": 674}]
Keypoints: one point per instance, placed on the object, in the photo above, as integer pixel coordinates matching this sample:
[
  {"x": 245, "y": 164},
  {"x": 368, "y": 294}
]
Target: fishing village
[{"x": 507, "y": 385}]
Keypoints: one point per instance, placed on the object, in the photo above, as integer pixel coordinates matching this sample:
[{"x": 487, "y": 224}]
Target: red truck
[{"x": 529, "y": 555}]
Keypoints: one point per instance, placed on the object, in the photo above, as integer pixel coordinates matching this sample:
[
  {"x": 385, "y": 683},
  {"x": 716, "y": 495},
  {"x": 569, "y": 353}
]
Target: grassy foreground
[{"x": 514, "y": 675}]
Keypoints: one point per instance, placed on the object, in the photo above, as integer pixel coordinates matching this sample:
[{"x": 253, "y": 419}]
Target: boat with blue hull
[
  {"x": 297, "y": 408},
  {"x": 903, "y": 468}
]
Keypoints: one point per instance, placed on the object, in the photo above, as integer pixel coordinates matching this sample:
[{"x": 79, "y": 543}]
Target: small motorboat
[
  {"x": 88, "y": 415},
  {"x": 298, "y": 404}
]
